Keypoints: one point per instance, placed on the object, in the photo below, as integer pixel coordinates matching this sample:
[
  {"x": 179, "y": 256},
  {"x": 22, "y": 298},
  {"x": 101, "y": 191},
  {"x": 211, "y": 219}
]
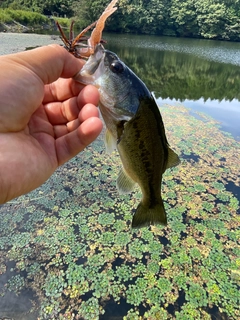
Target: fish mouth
[{"x": 93, "y": 68}]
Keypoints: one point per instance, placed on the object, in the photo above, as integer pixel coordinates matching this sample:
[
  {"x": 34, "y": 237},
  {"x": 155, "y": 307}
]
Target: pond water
[
  {"x": 203, "y": 75},
  {"x": 67, "y": 250}
]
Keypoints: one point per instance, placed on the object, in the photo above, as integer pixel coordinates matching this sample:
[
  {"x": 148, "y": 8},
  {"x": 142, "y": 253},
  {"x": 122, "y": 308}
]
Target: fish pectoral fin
[
  {"x": 124, "y": 183},
  {"x": 173, "y": 159},
  {"x": 110, "y": 142},
  {"x": 146, "y": 216}
]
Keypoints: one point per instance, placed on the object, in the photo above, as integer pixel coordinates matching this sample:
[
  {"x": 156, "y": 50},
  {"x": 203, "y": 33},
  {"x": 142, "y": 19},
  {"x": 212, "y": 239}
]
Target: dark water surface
[{"x": 203, "y": 75}]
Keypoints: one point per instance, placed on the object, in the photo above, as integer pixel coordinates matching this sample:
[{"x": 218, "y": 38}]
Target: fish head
[{"x": 120, "y": 89}]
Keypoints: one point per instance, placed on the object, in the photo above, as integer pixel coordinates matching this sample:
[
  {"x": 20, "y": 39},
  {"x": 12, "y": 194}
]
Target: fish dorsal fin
[
  {"x": 110, "y": 142},
  {"x": 124, "y": 183},
  {"x": 173, "y": 159}
]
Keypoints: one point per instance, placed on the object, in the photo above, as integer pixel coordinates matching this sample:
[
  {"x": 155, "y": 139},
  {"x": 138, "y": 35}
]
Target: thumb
[{"x": 49, "y": 62}]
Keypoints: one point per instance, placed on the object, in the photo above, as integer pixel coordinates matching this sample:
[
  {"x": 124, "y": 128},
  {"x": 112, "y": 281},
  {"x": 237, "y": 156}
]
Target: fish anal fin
[
  {"x": 173, "y": 159},
  {"x": 124, "y": 183},
  {"x": 110, "y": 142},
  {"x": 146, "y": 216}
]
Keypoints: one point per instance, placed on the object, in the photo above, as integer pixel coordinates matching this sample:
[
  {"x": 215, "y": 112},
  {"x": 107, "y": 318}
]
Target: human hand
[{"x": 46, "y": 118}]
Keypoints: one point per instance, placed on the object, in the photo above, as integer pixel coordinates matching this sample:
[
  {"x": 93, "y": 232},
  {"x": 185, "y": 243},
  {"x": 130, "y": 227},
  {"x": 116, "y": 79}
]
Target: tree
[
  {"x": 47, "y": 7},
  {"x": 211, "y": 19},
  {"x": 216, "y": 21},
  {"x": 184, "y": 17}
]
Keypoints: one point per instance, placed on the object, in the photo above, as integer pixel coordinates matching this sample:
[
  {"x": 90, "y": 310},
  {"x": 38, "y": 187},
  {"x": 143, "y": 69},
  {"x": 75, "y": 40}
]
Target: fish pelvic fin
[
  {"x": 173, "y": 159},
  {"x": 124, "y": 183},
  {"x": 146, "y": 216}
]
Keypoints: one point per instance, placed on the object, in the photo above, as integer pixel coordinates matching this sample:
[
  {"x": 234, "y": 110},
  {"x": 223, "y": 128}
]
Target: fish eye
[{"x": 116, "y": 66}]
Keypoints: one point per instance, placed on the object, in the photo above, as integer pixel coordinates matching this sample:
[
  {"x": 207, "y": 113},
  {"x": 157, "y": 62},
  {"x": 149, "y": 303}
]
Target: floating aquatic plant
[
  {"x": 70, "y": 241},
  {"x": 134, "y": 295},
  {"x": 16, "y": 283}
]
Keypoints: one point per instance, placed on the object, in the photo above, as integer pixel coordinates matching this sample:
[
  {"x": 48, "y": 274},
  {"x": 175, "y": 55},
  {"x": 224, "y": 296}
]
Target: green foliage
[
  {"x": 16, "y": 283},
  {"x": 188, "y": 312},
  {"x": 135, "y": 249},
  {"x": 134, "y": 295},
  {"x": 154, "y": 296},
  {"x": 122, "y": 239},
  {"x": 156, "y": 312},
  {"x": 22, "y": 16},
  {"x": 90, "y": 309},
  {"x": 106, "y": 218},
  {"x": 185, "y": 18},
  {"x": 77, "y": 253},
  {"x": 164, "y": 285},
  {"x": 196, "y": 295},
  {"x": 153, "y": 267},
  {"x": 124, "y": 273},
  {"x": 54, "y": 285},
  {"x": 46, "y": 7},
  {"x": 64, "y": 22}
]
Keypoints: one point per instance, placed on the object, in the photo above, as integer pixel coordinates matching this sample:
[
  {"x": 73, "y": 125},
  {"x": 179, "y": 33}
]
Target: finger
[
  {"x": 61, "y": 90},
  {"x": 71, "y": 144},
  {"x": 60, "y": 113},
  {"x": 89, "y": 94},
  {"x": 49, "y": 62},
  {"x": 61, "y": 130},
  {"x": 88, "y": 111}
]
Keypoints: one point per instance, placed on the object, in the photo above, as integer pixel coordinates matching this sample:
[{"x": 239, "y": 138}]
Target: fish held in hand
[
  {"x": 133, "y": 120},
  {"x": 135, "y": 127}
]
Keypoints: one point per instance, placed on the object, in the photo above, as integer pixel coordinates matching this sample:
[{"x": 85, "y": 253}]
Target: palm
[{"x": 30, "y": 155}]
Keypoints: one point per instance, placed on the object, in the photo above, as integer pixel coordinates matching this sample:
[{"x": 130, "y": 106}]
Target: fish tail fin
[{"x": 146, "y": 216}]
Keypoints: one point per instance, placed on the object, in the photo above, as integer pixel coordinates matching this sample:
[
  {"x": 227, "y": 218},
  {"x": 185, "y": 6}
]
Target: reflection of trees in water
[{"x": 182, "y": 76}]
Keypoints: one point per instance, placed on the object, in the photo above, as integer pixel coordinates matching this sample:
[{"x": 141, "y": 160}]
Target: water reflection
[
  {"x": 178, "y": 75},
  {"x": 226, "y": 112},
  {"x": 219, "y": 51},
  {"x": 185, "y": 70}
]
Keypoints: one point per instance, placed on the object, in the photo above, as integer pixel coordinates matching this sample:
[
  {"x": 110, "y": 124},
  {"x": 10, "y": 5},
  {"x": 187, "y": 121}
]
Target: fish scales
[{"x": 144, "y": 162}]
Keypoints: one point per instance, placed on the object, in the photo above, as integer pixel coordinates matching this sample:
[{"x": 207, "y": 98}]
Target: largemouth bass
[{"x": 135, "y": 127}]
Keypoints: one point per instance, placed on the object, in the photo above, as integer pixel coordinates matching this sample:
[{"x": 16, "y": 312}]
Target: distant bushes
[
  {"x": 64, "y": 22},
  {"x": 24, "y": 17},
  {"x": 21, "y": 20},
  {"x": 5, "y": 16}
]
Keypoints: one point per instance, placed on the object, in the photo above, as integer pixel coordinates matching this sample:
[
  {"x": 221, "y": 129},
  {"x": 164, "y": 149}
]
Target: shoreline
[
  {"x": 16, "y": 27},
  {"x": 16, "y": 42},
  {"x": 51, "y": 29}
]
